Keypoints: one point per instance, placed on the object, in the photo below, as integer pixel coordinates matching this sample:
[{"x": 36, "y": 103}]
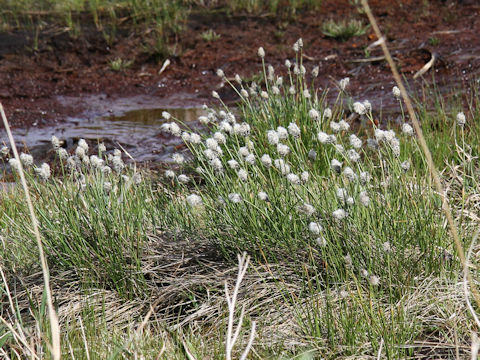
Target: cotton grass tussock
[{"x": 348, "y": 252}]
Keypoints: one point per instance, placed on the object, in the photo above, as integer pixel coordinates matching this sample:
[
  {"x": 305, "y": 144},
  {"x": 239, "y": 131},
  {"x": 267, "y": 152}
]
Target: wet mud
[{"x": 67, "y": 86}]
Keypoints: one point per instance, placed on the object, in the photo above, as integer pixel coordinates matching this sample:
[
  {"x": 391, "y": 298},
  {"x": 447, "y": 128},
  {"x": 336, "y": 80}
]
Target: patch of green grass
[
  {"x": 120, "y": 64},
  {"x": 210, "y": 35},
  {"x": 344, "y": 29}
]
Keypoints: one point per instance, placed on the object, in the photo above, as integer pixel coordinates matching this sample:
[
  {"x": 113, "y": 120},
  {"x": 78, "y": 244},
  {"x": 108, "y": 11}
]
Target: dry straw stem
[
  {"x": 423, "y": 144},
  {"x": 54, "y": 325}
]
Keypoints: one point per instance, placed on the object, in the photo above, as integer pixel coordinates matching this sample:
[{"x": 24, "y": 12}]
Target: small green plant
[
  {"x": 210, "y": 35},
  {"x": 344, "y": 29},
  {"x": 120, "y": 64},
  {"x": 434, "y": 41}
]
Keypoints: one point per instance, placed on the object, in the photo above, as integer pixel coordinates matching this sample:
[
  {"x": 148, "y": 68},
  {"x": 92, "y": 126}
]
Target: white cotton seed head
[
  {"x": 194, "y": 200},
  {"x": 306, "y": 209},
  {"x": 339, "y": 214},
  {"x": 26, "y": 159},
  {"x": 372, "y": 144},
  {"x": 166, "y": 115},
  {"x": 272, "y": 137},
  {"x": 44, "y": 171},
  {"x": 238, "y": 79},
  {"x": 365, "y": 177},
  {"x": 282, "y": 149},
  {"x": 342, "y": 194},
  {"x": 291, "y": 90},
  {"x": 282, "y": 133},
  {"x": 80, "y": 152},
  {"x": 335, "y": 126},
  {"x": 263, "y": 196},
  {"x": 235, "y": 198},
  {"x": 4, "y": 151},
  {"x": 355, "y": 141},
  {"x": 389, "y": 135},
  {"x": 359, "y": 108},
  {"x": 282, "y": 166},
  {"x": 204, "y": 120},
  {"x": 405, "y": 165},
  {"x": 216, "y": 164},
  {"x": 407, "y": 129},
  {"x": 266, "y": 160},
  {"x": 350, "y": 201},
  {"x": 387, "y": 247},
  {"x": 215, "y": 95},
  {"x": 321, "y": 241},
  {"x": 306, "y": 94},
  {"x": 349, "y": 174},
  {"x": 293, "y": 179},
  {"x": 242, "y": 174},
  {"x": 315, "y": 71},
  {"x": 264, "y": 95},
  {"x": 169, "y": 174},
  {"x": 294, "y": 130},
  {"x": 242, "y": 129},
  {"x": 314, "y": 228},
  {"x": 243, "y": 151},
  {"x": 288, "y": 64},
  {"x": 244, "y": 93},
  {"x": 183, "y": 178},
  {"x": 107, "y": 186},
  {"x": 178, "y": 158},
  {"x": 250, "y": 159},
  {"x": 344, "y": 126},
  {"x": 348, "y": 261},
  {"x": 96, "y": 162},
  {"x": 220, "y": 73},
  {"x": 344, "y": 83},
  {"x": 336, "y": 165},
  {"x": 323, "y": 137},
  {"x": 185, "y": 137},
  {"x": 275, "y": 90},
  {"x": 55, "y": 142},
  {"x": 353, "y": 156},
  {"x": 261, "y": 52},
  {"x": 14, "y": 164},
  {"x": 374, "y": 280},
  {"x": 270, "y": 73},
  {"x": 211, "y": 143},
  {"x": 339, "y": 148},
  {"x": 314, "y": 115},
  {"x": 225, "y": 127},
  {"x": 395, "y": 145},
  {"x": 233, "y": 164},
  {"x": 327, "y": 113},
  {"x": 461, "y": 119},
  {"x": 396, "y": 92},
  {"x": 368, "y": 105},
  {"x": 364, "y": 198},
  {"x": 210, "y": 154},
  {"x": 304, "y": 176},
  {"x": 195, "y": 138},
  {"x": 83, "y": 144},
  {"x": 175, "y": 129},
  {"x": 62, "y": 153},
  {"x": 312, "y": 155}
]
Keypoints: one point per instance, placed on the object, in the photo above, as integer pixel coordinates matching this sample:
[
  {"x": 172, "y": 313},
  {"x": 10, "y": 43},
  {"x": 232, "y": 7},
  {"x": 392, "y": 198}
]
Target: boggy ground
[{"x": 34, "y": 83}]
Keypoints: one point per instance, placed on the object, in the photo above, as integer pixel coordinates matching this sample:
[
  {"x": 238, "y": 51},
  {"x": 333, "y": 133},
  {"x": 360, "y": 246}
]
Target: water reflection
[{"x": 136, "y": 130}]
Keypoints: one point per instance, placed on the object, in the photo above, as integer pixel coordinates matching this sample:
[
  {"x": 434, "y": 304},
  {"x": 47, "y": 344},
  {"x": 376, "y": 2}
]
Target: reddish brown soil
[{"x": 32, "y": 81}]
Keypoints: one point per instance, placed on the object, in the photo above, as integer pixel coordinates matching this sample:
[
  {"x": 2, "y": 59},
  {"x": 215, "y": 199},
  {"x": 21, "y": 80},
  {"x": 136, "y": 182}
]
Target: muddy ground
[{"x": 46, "y": 85}]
